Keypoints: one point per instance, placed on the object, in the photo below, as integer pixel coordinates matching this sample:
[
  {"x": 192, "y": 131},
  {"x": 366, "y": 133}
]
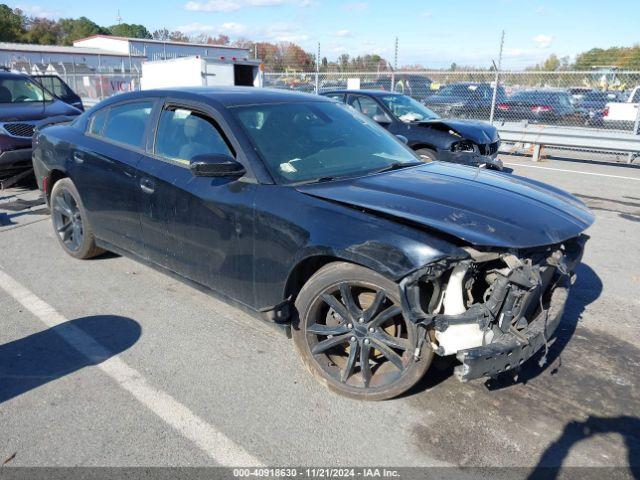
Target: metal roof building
[
  {"x": 160, "y": 49},
  {"x": 94, "y": 58}
]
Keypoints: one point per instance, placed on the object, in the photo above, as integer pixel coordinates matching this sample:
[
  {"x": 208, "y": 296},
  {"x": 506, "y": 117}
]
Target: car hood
[
  {"x": 35, "y": 111},
  {"x": 478, "y": 132},
  {"x": 480, "y": 207}
]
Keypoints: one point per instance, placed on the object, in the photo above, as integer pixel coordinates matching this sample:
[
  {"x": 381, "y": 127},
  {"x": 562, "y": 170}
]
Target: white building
[
  {"x": 100, "y": 59},
  {"x": 160, "y": 49}
]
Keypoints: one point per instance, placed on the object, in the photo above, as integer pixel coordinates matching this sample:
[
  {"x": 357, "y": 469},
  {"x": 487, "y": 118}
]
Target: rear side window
[
  {"x": 184, "y": 133},
  {"x": 127, "y": 123},
  {"x": 97, "y": 121}
]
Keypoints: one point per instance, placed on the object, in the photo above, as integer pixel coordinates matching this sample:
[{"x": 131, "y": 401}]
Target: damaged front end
[{"x": 493, "y": 309}]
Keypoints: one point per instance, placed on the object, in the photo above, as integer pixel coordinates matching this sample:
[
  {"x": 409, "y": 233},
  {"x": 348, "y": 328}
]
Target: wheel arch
[
  {"x": 419, "y": 145},
  {"x": 53, "y": 177},
  {"x": 304, "y": 270}
]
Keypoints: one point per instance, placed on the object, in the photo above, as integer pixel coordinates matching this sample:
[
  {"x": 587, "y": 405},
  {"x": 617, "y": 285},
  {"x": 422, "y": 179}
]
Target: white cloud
[
  {"x": 343, "y": 33},
  {"x": 38, "y": 11},
  {"x": 543, "y": 41},
  {"x": 427, "y": 14},
  {"x": 541, "y": 10}
]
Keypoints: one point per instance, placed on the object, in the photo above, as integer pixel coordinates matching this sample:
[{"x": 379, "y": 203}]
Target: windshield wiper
[{"x": 397, "y": 166}]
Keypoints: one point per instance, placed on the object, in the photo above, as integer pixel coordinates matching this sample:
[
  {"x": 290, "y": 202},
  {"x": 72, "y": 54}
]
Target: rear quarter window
[{"x": 98, "y": 119}]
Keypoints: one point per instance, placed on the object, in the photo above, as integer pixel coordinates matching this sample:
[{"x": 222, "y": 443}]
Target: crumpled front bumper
[
  {"x": 510, "y": 351},
  {"x": 472, "y": 159}
]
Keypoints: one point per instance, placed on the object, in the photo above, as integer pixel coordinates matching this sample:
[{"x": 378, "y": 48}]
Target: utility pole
[
  {"x": 318, "y": 70},
  {"x": 395, "y": 66},
  {"x": 495, "y": 87},
  {"x": 118, "y": 17}
]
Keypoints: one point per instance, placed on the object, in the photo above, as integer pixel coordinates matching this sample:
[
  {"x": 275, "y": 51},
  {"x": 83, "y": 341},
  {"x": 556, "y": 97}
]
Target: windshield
[
  {"x": 407, "y": 109},
  {"x": 302, "y": 142},
  {"x": 457, "y": 90},
  {"x": 22, "y": 90}
]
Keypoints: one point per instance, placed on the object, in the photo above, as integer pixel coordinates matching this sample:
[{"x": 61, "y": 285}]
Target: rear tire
[
  {"x": 70, "y": 223},
  {"x": 427, "y": 154},
  {"x": 352, "y": 336}
]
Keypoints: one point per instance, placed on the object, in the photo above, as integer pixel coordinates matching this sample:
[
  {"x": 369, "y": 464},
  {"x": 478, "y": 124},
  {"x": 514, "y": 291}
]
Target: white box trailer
[{"x": 197, "y": 71}]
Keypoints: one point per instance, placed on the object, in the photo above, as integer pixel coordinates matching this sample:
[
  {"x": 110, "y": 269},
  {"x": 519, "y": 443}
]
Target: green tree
[
  {"x": 130, "y": 30},
  {"x": 42, "y": 31},
  {"x": 76, "y": 28},
  {"x": 12, "y": 24}
]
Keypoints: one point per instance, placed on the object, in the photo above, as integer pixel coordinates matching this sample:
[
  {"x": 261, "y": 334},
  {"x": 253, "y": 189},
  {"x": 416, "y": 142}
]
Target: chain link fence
[
  {"x": 563, "y": 98},
  {"x": 91, "y": 84}
]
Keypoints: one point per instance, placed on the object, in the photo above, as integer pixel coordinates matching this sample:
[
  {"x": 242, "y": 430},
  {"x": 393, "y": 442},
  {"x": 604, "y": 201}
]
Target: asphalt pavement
[{"x": 109, "y": 363}]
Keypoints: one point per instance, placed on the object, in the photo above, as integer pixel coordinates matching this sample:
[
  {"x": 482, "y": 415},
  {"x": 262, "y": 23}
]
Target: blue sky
[{"x": 432, "y": 33}]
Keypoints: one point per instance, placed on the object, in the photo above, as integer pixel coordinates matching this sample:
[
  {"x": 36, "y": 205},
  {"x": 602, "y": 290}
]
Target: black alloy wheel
[
  {"x": 70, "y": 222},
  {"x": 353, "y": 336}
]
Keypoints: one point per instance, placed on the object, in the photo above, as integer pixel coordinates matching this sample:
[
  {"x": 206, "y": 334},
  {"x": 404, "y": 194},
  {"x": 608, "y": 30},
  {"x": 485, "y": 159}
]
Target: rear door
[
  {"x": 104, "y": 170},
  {"x": 199, "y": 227}
]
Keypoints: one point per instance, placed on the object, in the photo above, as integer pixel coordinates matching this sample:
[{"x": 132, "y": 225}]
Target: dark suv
[{"x": 25, "y": 105}]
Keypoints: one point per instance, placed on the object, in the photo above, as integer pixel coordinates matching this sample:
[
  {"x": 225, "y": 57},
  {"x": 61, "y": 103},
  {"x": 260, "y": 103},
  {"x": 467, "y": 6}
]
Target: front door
[{"x": 199, "y": 227}]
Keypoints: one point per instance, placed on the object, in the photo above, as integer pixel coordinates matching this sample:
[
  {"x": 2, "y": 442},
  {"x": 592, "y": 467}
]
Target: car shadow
[
  {"x": 586, "y": 290},
  {"x": 46, "y": 356},
  {"x": 550, "y": 463}
]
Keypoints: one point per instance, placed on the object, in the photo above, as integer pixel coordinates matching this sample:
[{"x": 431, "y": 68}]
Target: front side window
[
  {"x": 184, "y": 133},
  {"x": 22, "y": 90},
  {"x": 308, "y": 141},
  {"x": 127, "y": 123},
  {"x": 366, "y": 105},
  {"x": 55, "y": 85},
  {"x": 407, "y": 109}
]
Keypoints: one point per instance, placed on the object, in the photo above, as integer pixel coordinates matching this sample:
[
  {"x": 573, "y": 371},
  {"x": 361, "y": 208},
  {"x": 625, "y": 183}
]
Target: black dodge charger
[
  {"x": 468, "y": 142},
  {"x": 309, "y": 215}
]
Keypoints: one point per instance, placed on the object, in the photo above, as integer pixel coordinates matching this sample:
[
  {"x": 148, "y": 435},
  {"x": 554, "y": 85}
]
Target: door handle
[
  {"x": 78, "y": 158},
  {"x": 147, "y": 185}
]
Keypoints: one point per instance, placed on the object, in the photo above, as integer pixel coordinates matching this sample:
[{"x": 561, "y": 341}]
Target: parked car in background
[
  {"x": 60, "y": 89},
  {"x": 541, "y": 105},
  {"x": 464, "y": 100},
  {"x": 313, "y": 217},
  {"x": 416, "y": 86},
  {"x": 592, "y": 104},
  {"x": 433, "y": 138},
  {"x": 623, "y": 114},
  {"x": 25, "y": 105}
]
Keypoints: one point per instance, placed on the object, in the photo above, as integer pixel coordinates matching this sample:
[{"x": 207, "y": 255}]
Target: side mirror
[
  {"x": 216, "y": 165},
  {"x": 403, "y": 139},
  {"x": 381, "y": 118}
]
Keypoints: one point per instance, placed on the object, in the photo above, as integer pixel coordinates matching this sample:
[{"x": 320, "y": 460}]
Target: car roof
[
  {"x": 373, "y": 93},
  {"x": 12, "y": 75},
  {"x": 225, "y": 96}
]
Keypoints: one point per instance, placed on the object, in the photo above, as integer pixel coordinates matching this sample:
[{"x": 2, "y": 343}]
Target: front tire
[
  {"x": 427, "y": 154},
  {"x": 70, "y": 223},
  {"x": 352, "y": 336}
]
